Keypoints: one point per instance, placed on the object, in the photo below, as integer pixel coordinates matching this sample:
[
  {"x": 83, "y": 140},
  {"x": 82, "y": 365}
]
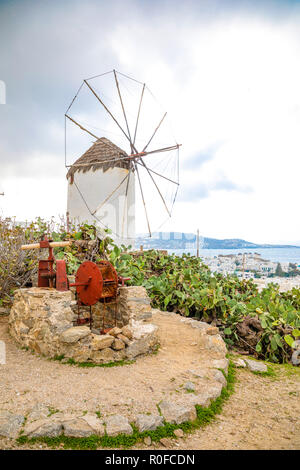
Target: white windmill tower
[
  {"x": 99, "y": 174},
  {"x": 101, "y": 182}
]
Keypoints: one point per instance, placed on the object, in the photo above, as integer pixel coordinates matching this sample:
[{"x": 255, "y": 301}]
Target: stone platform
[{"x": 43, "y": 320}]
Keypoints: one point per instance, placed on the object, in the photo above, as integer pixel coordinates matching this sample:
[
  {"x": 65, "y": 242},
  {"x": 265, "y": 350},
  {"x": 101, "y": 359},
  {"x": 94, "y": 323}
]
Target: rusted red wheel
[{"x": 89, "y": 283}]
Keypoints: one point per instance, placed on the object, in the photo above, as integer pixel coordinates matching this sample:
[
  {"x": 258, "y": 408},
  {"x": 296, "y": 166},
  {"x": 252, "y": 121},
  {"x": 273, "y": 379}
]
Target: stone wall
[{"x": 43, "y": 321}]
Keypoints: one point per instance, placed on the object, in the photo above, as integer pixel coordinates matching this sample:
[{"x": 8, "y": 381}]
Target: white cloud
[{"x": 230, "y": 84}]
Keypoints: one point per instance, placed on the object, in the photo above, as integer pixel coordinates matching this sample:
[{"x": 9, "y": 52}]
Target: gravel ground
[
  {"x": 130, "y": 389},
  {"x": 263, "y": 413}
]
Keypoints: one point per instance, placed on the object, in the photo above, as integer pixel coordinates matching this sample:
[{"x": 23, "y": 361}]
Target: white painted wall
[{"x": 95, "y": 186}]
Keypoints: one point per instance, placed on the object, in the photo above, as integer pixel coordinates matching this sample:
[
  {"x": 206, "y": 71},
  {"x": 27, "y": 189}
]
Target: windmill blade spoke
[
  {"x": 142, "y": 194},
  {"x": 110, "y": 195},
  {"x": 158, "y": 174},
  {"x": 123, "y": 109},
  {"x": 155, "y": 131},
  {"x": 125, "y": 203},
  {"x": 162, "y": 198},
  {"x": 138, "y": 115},
  {"x": 81, "y": 127},
  {"x": 107, "y": 110}
]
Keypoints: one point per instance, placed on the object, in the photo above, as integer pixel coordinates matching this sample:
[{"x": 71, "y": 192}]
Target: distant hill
[{"x": 181, "y": 240}]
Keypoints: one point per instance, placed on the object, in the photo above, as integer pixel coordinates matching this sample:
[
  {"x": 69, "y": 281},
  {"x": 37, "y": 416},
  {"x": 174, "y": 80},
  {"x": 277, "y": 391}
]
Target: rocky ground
[{"x": 263, "y": 413}]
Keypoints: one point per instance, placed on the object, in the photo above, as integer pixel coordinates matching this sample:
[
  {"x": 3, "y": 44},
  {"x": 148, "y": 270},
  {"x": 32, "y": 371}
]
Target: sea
[{"x": 281, "y": 255}]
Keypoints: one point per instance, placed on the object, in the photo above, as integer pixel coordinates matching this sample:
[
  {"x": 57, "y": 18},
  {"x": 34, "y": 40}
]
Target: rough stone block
[
  {"x": 148, "y": 422},
  {"x": 101, "y": 342},
  {"x": 256, "y": 366},
  {"x": 117, "y": 424},
  {"x": 43, "y": 427},
  {"x": 74, "y": 334},
  {"x": 177, "y": 414},
  {"x": 10, "y": 423}
]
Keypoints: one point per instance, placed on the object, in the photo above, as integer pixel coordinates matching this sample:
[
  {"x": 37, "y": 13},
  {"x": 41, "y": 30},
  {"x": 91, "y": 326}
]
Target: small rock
[
  {"x": 177, "y": 414},
  {"x": 256, "y": 366},
  {"x": 219, "y": 377},
  {"x": 148, "y": 422},
  {"x": 214, "y": 391},
  {"x": 10, "y": 423},
  {"x": 118, "y": 344},
  {"x": 83, "y": 426},
  {"x": 101, "y": 342},
  {"x": 71, "y": 335},
  {"x": 124, "y": 339},
  {"x": 77, "y": 427},
  {"x": 216, "y": 344},
  {"x": 43, "y": 427},
  {"x": 189, "y": 386},
  {"x": 166, "y": 442},
  {"x": 221, "y": 364},
  {"x": 179, "y": 433},
  {"x": 104, "y": 355},
  {"x": 240, "y": 363},
  {"x": 115, "y": 331},
  {"x": 126, "y": 331},
  {"x": 148, "y": 440},
  {"x": 95, "y": 423},
  {"x": 117, "y": 424}
]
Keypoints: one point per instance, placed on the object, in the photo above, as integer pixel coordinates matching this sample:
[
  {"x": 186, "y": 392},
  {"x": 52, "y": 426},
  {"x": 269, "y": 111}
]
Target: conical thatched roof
[{"x": 102, "y": 154}]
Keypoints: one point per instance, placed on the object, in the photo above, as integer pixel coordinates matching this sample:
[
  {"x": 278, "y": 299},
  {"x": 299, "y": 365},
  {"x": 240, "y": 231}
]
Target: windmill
[{"x": 142, "y": 152}]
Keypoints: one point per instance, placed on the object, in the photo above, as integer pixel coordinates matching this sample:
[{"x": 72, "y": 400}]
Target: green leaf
[
  {"x": 227, "y": 331},
  {"x": 289, "y": 340},
  {"x": 296, "y": 333},
  {"x": 273, "y": 343},
  {"x": 258, "y": 348},
  {"x": 263, "y": 323}
]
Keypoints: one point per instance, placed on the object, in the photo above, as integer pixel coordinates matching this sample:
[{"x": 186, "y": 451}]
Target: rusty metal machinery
[
  {"x": 94, "y": 282},
  {"x": 97, "y": 282},
  {"x": 47, "y": 276}
]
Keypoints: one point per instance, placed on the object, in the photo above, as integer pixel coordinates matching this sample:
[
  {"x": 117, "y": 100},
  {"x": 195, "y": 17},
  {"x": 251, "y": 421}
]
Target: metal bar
[
  {"x": 162, "y": 198},
  {"x": 137, "y": 172},
  {"x": 164, "y": 149},
  {"x": 124, "y": 114},
  {"x": 127, "y": 157},
  {"x": 162, "y": 176},
  {"x": 110, "y": 195},
  {"x": 138, "y": 115},
  {"x": 82, "y": 128},
  {"x": 106, "y": 109},
  {"x": 155, "y": 131}
]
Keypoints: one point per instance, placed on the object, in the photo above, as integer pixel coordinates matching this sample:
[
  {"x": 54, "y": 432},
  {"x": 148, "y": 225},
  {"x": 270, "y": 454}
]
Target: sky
[{"x": 227, "y": 72}]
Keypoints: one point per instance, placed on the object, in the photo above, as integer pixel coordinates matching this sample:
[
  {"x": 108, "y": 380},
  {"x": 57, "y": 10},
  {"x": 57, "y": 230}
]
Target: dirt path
[
  {"x": 263, "y": 413},
  {"x": 28, "y": 378}
]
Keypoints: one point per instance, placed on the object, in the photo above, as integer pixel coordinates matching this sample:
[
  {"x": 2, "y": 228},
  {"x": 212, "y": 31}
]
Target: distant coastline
[{"x": 182, "y": 240}]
